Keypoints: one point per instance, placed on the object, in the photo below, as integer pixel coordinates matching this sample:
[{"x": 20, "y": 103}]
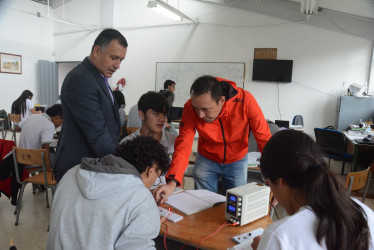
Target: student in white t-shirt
[
  {"x": 38, "y": 130},
  {"x": 153, "y": 111},
  {"x": 24, "y": 107},
  {"x": 322, "y": 213}
]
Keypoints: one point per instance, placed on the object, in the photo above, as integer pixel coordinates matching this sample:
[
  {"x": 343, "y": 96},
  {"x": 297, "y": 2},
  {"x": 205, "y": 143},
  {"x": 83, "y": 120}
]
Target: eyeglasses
[
  {"x": 265, "y": 180},
  {"x": 157, "y": 183}
]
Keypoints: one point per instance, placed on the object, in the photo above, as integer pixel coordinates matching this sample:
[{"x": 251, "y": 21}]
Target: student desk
[
  {"x": 354, "y": 148},
  {"x": 194, "y": 227}
]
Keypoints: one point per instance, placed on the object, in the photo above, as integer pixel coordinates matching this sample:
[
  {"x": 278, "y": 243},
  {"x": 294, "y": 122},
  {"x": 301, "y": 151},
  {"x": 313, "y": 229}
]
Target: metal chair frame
[
  {"x": 358, "y": 180},
  {"x": 33, "y": 157}
]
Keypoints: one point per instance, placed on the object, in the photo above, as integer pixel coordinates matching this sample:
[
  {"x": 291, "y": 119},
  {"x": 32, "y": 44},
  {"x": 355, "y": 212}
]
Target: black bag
[{"x": 4, "y": 114}]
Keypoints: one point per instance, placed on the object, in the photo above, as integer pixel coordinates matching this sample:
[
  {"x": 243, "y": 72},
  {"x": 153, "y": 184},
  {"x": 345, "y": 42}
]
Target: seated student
[
  {"x": 106, "y": 203},
  {"x": 120, "y": 99},
  {"x": 153, "y": 110},
  {"x": 168, "y": 91},
  {"x": 133, "y": 119},
  {"x": 322, "y": 213},
  {"x": 24, "y": 107},
  {"x": 38, "y": 130}
]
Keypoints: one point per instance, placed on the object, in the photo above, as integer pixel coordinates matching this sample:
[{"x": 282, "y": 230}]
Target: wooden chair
[
  {"x": 131, "y": 130},
  {"x": 358, "y": 180},
  {"x": 15, "y": 118},
  {"x": 33, "y": 157}
]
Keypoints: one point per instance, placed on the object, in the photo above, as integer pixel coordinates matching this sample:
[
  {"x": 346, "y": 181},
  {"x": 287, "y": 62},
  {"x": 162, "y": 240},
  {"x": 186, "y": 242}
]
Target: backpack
[{"x": 4, "y": 114}]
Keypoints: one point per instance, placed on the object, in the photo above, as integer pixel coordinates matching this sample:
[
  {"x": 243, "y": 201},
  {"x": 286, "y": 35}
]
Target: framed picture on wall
[{"x": 10, "y": 63}]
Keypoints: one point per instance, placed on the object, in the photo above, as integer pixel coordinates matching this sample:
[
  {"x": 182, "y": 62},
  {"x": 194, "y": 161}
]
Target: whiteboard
[{"x": 185, "y": 73}]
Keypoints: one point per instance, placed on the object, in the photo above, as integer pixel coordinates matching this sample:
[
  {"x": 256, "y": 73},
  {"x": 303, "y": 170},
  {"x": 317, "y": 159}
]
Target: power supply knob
[
  {"x": 238, "y": 214},
  {"x": 239, "y": 210},
  {"x": 239, "y": 199},
  {"x": 239, "y": 204}
]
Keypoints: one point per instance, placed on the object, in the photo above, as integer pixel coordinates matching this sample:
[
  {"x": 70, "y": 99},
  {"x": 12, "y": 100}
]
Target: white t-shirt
[
  {"x": 167, "y": 140},
  {"x": 27, "y": 113},
  {"x": 298, "y": 231},
  {"x": 38, "y": 129}
]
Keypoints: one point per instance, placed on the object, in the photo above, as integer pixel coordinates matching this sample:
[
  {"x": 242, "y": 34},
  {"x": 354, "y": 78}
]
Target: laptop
[
  {"x": 175, "y": 113},
  {"x": 282, "y": 124}
]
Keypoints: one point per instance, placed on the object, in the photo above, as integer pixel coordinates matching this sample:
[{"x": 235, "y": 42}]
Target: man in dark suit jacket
[{"x": 91, "y": 120}]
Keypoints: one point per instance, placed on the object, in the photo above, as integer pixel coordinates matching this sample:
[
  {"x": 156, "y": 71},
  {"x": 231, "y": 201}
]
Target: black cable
[{"x": 275, "y": 211}]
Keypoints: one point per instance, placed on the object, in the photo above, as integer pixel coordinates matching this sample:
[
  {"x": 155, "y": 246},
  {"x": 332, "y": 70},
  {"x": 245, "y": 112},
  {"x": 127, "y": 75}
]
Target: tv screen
[{"x": 272, "y": 70}]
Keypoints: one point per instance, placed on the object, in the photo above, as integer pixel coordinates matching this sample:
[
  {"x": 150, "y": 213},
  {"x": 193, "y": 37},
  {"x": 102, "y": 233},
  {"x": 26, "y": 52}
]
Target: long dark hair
[
  {"x": 296, "y": 158},
  {"x": 19, "y": 105}
]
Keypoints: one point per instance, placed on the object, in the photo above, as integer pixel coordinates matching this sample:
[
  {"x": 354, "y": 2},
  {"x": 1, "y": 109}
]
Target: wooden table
[
  {"x": 354, "y": 148},
  {"x": 196, "y": 226}
]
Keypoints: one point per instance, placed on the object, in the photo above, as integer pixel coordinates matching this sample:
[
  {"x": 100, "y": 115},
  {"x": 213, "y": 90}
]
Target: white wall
[
  {"x": 323, "y": 59},
  {"x": 26, "y": 35}
]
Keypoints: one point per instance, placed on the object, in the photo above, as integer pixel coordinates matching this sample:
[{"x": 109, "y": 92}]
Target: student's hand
[
  {"x": 164, "y": 191},
  {"x": 255, "y": 242}
]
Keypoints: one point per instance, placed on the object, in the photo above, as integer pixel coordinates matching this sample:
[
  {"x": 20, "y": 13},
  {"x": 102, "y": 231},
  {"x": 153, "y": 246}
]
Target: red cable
[
  {"x": 167, "y": 228},
  {"x": 166, "y": 233},
  {"x": 210, "y": 235}
]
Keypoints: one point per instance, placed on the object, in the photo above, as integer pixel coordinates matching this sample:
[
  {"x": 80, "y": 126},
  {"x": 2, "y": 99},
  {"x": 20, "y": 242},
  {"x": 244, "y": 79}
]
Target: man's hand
[
  {"x": 164, "y": 191},
  {"x": 255, "y": 242}
]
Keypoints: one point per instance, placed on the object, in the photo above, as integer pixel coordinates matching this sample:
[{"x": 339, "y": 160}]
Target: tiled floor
[{"x": 31, "y": 233}]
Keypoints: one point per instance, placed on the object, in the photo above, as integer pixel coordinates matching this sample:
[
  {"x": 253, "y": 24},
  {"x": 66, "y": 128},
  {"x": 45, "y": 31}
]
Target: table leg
[{"x": 354, "y": 161}]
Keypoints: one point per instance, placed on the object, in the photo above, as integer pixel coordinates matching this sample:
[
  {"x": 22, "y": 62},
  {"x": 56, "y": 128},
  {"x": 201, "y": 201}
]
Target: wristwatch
[{"x": 173, "y": 180}]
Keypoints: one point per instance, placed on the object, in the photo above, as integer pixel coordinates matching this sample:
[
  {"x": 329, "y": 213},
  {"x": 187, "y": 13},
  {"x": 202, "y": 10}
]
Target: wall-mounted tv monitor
[{"x": 272, "y": 70}]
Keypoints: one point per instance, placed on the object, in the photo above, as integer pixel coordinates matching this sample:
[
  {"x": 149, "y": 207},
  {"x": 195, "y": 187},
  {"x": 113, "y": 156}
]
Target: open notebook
[{"x": 193, "y": 201}]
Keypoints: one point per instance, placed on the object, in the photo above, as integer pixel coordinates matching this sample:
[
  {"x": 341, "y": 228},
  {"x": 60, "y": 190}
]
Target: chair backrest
[
  {"x": 298, "y": 120},
  {"x": 357, "y": 180},
  {"x": 331, "y": 141},
  {"x": 131, "y": 130},
  {"x": 13, "y": 118},
  {"x": 33, "y": 157}
]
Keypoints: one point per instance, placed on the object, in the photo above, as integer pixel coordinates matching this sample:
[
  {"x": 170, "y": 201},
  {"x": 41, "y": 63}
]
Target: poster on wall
[{"x": 10, "y": 63}]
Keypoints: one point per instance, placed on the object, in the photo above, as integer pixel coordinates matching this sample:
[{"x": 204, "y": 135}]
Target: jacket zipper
[{"x": 224, "y": 142}]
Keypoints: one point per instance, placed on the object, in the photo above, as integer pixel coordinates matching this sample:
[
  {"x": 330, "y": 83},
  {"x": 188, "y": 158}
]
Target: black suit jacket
[{"x": 91, "y": 120}]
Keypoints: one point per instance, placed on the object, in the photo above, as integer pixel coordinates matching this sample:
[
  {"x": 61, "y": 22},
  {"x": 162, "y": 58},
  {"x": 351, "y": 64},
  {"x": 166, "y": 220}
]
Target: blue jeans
[{"x": 206, "y": 174}]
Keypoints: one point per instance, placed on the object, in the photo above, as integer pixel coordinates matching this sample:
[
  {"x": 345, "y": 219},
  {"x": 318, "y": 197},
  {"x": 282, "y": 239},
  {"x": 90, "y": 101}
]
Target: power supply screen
[{"x": 231, "y": 203}]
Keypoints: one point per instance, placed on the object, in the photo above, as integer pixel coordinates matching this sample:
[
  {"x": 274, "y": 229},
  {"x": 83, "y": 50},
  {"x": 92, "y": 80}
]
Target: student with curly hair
[
  {"x": 105, "y": 203},
  {"x": 322, "y": 213}
]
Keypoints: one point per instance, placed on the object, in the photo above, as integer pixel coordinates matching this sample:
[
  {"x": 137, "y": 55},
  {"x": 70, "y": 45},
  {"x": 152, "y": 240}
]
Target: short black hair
[
  {"x": 106, "y": 36},
  {"x": 155, "y": 101},
  {"x": 55, "y": 110},
  {"x": 120, "y": 98},
  {"x": 143, "y": 152},
  {"x": 168, "y": 83},
  {"x": 208, "y": 84}
]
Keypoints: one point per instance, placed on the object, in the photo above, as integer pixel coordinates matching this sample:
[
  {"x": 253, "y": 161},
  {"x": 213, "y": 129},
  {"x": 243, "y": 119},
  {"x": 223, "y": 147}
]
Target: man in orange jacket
[{"x": 223, "y": 115}]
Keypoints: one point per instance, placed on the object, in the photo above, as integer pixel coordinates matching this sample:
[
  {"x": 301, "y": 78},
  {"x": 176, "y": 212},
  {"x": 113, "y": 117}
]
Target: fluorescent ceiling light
[
  {"x": 309, "y": 7},
  {"x": 167, "y": 10}
]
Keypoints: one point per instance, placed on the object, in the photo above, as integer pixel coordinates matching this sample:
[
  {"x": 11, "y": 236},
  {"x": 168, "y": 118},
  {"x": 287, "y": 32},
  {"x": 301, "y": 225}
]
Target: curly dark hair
[{"x": 143, "y": 152}]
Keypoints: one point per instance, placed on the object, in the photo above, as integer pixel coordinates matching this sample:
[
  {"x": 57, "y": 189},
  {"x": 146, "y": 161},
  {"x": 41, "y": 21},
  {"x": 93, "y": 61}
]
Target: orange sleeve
[
  {"x": 257, "y": 122},
  {"x": 183, "y": 144}
]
